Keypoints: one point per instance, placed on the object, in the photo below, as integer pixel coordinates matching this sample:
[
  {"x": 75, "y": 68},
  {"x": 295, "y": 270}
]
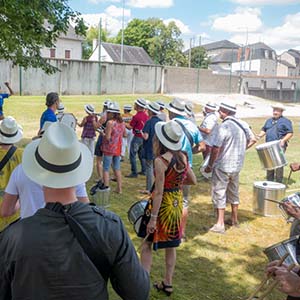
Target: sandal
[{"x": 167, "y": 289}]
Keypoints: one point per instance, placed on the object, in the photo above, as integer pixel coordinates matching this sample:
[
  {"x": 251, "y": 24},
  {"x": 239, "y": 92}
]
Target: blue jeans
[
  {"x": 136, "y": 147},
  {"x": 149, "y": 174}
]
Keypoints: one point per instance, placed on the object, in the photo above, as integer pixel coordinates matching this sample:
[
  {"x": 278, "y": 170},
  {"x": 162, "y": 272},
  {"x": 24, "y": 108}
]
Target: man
[
  {"x": 162, "y": 115},
  {"x": 148, "y": 134},
  {"x": 126, "y": 141},
  {"x": 43, "y": 256},
  {"x": 277, "y": 128},
  {"x": 208, "y": 126},
  {"x": 136, "y": 147},
  {"x": 232, "y": 139},
  {"x": 189, "y": 112},
  {"x": 52, "y": 103},
  {"x": 192, "y": 142},
  {"x": 4, "y": 96}
]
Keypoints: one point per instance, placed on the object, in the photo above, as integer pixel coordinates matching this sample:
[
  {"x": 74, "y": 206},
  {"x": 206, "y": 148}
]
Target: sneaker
[
  {"x": 131, "y": 175},
  {"x": 229, "y": 223},
  {"x": 142, "y": 173},
  {"x": 218, "y": 229}
]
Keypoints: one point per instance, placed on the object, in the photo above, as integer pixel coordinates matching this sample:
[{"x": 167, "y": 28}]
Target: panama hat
[
  {"x": 127, "y": 107},
  {"x": 177, "y": 106},
  {"x": 141, "y": 102},
  {"x": 58, "y": 159},
  {"x": 169, "y": 134},
  {"x": 228, "y": 105},
  {"x": 113, "y": 107},
  {"x": 189, "y": 108},
  {"x": 60, "y": 108},
  {"x": 278, "y": 105},
  {"x": 161, "y": 104},
  {"x": 154, "y": 107},
  {"x": 106, "y": 103},
  {"x": 211, "y": 106},
  {"x": 10, "y": 131},
  {"x": 89, "y": 108}
]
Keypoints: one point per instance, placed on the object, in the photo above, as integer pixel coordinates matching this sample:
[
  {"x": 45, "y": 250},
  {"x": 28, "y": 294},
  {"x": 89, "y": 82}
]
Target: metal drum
[
  {"x": 271, "y": 155},
  {"x": 294, "y": 199},
  {"x": 264, "y": 191},
  {"x": 275, "y": 252},
  {"x": 203, "y": 166},
  {"x": 135, "y": 214}
]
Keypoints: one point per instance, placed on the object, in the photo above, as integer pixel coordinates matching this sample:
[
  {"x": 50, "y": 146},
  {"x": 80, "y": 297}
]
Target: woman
[
  {"x": 171, "y": 172},
  {"x": 112, "y": 144},
  {"x": 10, "y": 157}
]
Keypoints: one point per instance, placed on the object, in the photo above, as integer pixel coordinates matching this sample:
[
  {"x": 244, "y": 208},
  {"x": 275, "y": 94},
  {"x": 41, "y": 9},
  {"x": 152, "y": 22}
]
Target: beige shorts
[{"x": 225, "y": 188}]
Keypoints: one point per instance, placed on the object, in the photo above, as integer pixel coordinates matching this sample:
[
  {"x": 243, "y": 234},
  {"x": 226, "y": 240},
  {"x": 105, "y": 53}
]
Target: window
[
  {"x": 52, "y": 53},
  {"x": 68, "y": 54}
]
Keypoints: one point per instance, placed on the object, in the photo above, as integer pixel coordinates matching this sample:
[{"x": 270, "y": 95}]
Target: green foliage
[
  {"x": 199, "y": 58},
  {"x": 162, "y": 42},
  {"x": 27, "y": 26}
]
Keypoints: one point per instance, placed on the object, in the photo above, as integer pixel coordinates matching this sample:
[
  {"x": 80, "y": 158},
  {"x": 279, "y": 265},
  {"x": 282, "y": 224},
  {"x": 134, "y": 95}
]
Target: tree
[
  {"x": 162, "y": 42},
  {"x": 27, "y": 26},
  {"x": 199, "y": 58}
]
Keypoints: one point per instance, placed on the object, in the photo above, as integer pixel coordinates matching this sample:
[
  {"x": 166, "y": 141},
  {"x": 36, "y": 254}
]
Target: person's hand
[
  {"x": 151, "y": 226},
  {"x": 272, "y": 267},
  {"x": 291, "y": 209},
  {"x": 282, "y": 143},
  {"x": 207, "y": 169},
  {"x": 289, "y": 282},
  {"x": 6, "y": 83}
]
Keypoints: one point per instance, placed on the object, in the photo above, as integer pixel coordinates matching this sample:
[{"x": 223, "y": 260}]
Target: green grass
[{"x": 209, "y": 266}]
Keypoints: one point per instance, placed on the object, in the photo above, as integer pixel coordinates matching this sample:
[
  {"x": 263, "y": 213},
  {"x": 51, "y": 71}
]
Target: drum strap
[
  {"x": 238, "y": 124},
  {"x": 186, "y": 132},
  {"x": 85, "y": 239},
  {"x": 7, "y": 156}
]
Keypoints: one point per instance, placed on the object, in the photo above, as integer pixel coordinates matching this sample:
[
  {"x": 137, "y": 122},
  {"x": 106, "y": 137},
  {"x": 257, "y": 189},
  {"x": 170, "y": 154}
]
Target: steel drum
[
  {"x": 263, "y": 190},
  {"x": 294, "y": 199},
  {"x": 271, "y": 155},
  {"x": 203, "y": 166}
]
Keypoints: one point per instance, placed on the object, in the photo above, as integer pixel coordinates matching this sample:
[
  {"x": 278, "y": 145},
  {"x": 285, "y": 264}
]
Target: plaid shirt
[{"x": 232, "y": 141}]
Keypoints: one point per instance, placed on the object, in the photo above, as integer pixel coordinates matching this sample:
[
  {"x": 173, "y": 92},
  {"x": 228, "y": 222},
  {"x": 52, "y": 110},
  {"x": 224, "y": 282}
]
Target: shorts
[
  {"x": 114, "y": 160},
  {"x": 98, "y": 151}
]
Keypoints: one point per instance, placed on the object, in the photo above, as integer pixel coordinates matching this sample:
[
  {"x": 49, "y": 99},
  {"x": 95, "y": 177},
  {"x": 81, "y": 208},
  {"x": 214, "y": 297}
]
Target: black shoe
[
  {"x": 142, "y": 173},
  {"x": 131, "y": 175}
]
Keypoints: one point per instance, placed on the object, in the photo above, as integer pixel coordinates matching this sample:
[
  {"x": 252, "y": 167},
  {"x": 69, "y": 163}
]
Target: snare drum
[
  {"x": 280, "y": 249},
  {"x": 203, "y": 166},
  {"x": 135, "y": 214},
  {"x": 69, "y": 120},
  {"x": 294, "y": 199}
]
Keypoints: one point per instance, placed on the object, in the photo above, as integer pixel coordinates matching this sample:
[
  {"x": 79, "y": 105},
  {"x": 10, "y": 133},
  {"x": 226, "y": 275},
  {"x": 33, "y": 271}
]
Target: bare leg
[
  {"x": 106, "y": 178},
  {"x": 184, "y": 218},
  {"x": 220, "y": 216},
  {"x": 170, "y": 258},
  {"x": 234, "y": 213},
  {"x": 119, "y": 180},
  {"x": 99, "y": 167},
  {"x": 146, "y": 256}
]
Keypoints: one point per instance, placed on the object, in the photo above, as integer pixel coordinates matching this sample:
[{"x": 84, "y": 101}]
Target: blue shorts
[
  {"x": 114, "y": 160},
  {"x": 98, "y": 151}
]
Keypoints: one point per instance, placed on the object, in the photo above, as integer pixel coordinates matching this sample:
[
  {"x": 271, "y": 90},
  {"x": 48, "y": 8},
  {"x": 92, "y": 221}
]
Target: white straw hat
[
  {"x": 127, "y": 107},
  {"x": 113, "y": 107},
  {"x": 211, "y": 106},
  {"x": 106, "y": 103},
  {"x": 89, "y": 108},
  {"x": 177, "y": 106},
  {"x": 58, "y": 159},
  {"x": 141, "y": 102},
  {"x": 154, "y": 107},
  {"x": 169, "y": 134},
  {"x": 161, "y": 104},
  {"x": 189, "y": 108},
  {"x": 228, "y": 105},
  {"x": 60, "y": 108},
  {"x": 10, "y": 131},
  {"x": 278, "y": 105}
]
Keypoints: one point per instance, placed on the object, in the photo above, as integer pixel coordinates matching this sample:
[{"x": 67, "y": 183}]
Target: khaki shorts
[{"x": 225, "y": 188}]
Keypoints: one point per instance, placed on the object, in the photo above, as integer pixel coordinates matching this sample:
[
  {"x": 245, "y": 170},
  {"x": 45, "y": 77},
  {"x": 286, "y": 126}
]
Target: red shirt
[{"x": 137, "y": 123}]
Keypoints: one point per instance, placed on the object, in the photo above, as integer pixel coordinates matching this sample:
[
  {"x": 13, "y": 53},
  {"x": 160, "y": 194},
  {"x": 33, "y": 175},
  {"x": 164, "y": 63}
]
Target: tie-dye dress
[{"x": 168, "y": 228}]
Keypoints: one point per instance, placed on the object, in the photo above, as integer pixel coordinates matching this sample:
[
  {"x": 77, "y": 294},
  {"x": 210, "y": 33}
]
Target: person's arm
[
  {"x": 124, "y": 132},
  {"x": 128, "y": 278},
  {"x": 190, "y": 177},
  {"x": 213, "y": 156},
  {"x": 261, "y": 134},
  {"x": 108, "y": 130},
  {"x": 9, "y": 205},
  {"x": 205, "y": 130},
  {"x": 81, "y": 193},
  {"x": 9, "y": 88},
  {"x": 200, "y": 147},
  {"x": 285, "y": 139},
  {"x": 82, "y": 122}
]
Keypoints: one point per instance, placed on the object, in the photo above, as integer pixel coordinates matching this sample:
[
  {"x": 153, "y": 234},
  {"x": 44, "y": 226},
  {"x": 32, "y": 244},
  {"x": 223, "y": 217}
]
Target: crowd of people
[{"x": 64, "y": 247}]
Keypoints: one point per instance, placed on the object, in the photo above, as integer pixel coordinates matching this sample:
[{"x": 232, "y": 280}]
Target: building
[
  {"x": 289, "y": 63},
  {"x": 112, "y": 53},
  {"x": 216, "y": 48},
  {"x": 67, "y": 46}
]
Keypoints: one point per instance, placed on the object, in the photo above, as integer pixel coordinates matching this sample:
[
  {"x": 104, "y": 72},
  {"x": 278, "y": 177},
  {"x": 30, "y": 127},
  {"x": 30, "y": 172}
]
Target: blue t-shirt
[
  {"x": 2, "y": 97},
  {"x": 148, "y": 144},
  {"x": 48, "y": 115},
  {"x": 195, "y": 133},
  {"x": 276, "y": 129}
]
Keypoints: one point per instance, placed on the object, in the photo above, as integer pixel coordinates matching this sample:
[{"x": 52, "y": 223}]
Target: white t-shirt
[
  {"x": 210, "y": 122},
  {"x": 31, "y": 194}
]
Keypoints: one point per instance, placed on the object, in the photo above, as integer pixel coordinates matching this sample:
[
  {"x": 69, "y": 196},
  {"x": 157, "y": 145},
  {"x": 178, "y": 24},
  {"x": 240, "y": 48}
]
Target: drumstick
[
  {"x": 143, "y": 241},
  {"x": 282, "y": 259},
  {"x": 271, "y": 200},
  {"x": 273, "y": 285}
]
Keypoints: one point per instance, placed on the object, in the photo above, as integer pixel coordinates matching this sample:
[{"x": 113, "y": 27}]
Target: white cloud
[
  {"x": 103, "y": 1},
  {"x": 265, "y": 2},
  {"x": 183, "y": 28},
  {"x": 242, "y": 20},
  {"x": 150, "y": 3},
  {"x": 114, "y": 11}
]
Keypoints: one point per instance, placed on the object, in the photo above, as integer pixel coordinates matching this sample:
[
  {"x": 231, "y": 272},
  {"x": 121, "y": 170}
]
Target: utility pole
[
  {"x": 122, "y": 38},
  {"x": 99, "y": 56},
  {"x": 190, "y": 52}
]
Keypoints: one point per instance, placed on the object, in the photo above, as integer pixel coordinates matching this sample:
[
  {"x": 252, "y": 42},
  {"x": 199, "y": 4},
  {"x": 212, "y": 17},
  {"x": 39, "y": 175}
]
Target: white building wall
[
  {"x": 260, "y": 66},
  {"x": 104, "y": 55}
]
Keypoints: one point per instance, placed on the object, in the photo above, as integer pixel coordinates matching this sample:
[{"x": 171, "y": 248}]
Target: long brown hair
[
  {"x": 160, "y": 149},
  {"x": 116, "y": 116}
]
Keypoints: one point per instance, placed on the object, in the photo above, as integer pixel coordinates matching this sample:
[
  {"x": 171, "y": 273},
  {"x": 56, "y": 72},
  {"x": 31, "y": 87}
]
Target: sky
[{"x": 274, "y": 22}]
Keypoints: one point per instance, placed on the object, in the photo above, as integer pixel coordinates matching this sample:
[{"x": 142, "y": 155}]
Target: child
[{"x": 88, "y": 132}]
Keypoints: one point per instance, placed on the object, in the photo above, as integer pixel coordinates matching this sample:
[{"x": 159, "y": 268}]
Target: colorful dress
[{"x": 168, "y": 227}]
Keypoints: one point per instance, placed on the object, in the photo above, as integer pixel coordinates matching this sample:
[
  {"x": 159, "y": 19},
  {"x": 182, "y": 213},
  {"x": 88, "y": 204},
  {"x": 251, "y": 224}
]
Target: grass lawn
[{"x": 209, "y": 266}]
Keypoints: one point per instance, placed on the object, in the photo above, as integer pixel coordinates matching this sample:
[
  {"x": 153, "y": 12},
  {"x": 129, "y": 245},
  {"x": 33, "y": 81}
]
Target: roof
[
  {"x": 295, "y": 53},
  {"x": 284, "y": 62},
  {"x": 224, "y": 44},
  {"x": 71, "y": 35},
  {"x": 131, "y": 54},
  {"x": 227, "y": 56},
  {"x": 259, "y": 45}
]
